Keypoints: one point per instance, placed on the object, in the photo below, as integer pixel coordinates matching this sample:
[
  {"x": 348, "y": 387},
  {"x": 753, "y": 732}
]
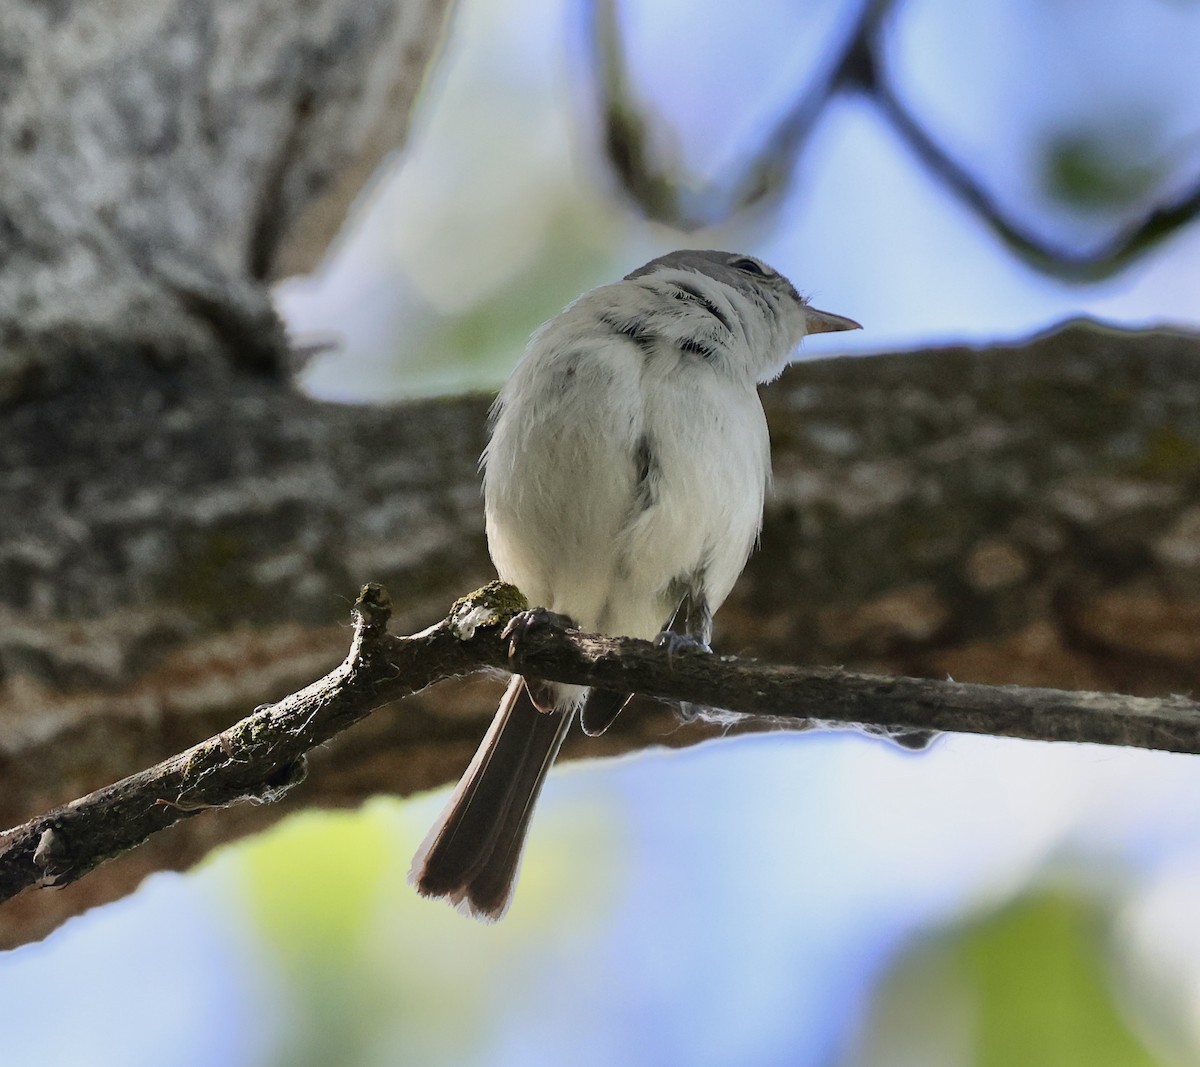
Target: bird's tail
[{"x": 472, "y": 854}]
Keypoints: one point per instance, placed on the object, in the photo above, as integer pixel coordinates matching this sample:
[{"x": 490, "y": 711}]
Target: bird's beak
[{"x": 827, "y": 322}]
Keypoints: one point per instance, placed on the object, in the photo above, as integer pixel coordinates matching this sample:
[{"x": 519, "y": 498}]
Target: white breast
[{"x": 568, "y": 520}]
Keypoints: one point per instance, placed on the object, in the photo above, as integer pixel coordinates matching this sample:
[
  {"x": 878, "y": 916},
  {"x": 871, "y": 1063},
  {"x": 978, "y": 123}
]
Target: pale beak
[{"x": 827, "y": 322}]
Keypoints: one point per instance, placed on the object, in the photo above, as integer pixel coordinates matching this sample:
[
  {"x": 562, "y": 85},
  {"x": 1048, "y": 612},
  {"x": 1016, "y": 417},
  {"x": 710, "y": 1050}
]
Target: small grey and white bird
[{"x": 624, "y": 483}]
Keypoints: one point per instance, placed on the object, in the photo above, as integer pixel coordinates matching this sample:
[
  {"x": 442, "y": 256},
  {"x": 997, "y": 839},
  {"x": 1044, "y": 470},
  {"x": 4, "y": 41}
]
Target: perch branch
[{"x": 261, "y": 758}]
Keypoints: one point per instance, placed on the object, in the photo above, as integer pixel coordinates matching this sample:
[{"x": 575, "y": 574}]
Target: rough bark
[
  {"x": 160, "y": 159},
  {"x": 178, "y": 545}
]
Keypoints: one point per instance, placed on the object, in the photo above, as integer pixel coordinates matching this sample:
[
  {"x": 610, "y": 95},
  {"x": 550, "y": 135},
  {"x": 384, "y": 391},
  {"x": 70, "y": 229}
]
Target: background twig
[{"x": 262, "y": 757}]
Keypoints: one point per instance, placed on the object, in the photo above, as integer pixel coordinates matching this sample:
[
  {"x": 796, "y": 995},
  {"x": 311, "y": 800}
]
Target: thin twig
[{"x": 261, "y": 758}]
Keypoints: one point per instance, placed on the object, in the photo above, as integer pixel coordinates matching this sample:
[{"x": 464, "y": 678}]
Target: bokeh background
[{"x": 818, "y": 899}]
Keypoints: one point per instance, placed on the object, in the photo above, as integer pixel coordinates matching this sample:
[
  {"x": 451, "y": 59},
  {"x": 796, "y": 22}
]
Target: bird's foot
[
  {"x": 675, "y": 643},
  {"x": 526, "y": 622}
]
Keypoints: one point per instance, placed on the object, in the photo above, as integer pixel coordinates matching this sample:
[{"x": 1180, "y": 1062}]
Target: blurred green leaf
[
  {"x": 1028, "y": 985},
  {"x": 369, "y": 972},
  {"x": 1042, "y": 988},
  {"x": 311, "y": 887},
  {"x": 1096, "y": 172},
  {"x": 311, "y": 883}
]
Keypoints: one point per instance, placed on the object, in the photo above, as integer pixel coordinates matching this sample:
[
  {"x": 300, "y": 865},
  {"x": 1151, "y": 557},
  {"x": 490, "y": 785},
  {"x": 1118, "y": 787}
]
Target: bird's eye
[{"x": 750, "y": 266}]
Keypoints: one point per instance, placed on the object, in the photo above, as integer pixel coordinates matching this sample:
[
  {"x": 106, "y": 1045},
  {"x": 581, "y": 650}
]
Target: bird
[{"x": 624, "y": 481}]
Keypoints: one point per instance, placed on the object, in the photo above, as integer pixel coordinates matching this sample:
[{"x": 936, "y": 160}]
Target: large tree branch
[
  {"x": 262, "y": 757},
  {"x": 173, "y": 544}
]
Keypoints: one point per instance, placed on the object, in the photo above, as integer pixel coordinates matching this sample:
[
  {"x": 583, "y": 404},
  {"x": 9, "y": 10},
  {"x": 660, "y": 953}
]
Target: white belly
[{"x": 570, "y": 522}]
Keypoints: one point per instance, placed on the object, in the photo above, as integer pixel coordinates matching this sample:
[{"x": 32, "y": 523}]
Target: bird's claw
[
  {"x": 525, "y": 622},
  {"x": 675, "y": 643}
]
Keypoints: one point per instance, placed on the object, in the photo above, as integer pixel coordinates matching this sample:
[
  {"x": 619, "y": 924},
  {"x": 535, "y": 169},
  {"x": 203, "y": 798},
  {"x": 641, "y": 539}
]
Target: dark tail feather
[{"x": 472, "y": 854}]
